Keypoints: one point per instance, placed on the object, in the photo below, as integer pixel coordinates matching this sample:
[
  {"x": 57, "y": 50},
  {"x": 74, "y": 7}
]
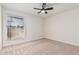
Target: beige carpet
[{"x": 41, "y": 47}]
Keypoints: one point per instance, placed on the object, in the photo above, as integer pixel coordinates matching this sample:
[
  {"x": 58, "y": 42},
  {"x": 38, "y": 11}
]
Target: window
[{"x": 15, "y": 28}]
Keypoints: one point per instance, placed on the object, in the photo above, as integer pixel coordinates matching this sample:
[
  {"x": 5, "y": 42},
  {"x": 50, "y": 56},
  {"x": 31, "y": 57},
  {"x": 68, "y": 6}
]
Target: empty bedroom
[{"x": 39, "y": 28}]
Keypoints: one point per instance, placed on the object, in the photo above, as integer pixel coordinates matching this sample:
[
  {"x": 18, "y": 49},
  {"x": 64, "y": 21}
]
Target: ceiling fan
[{"x": 44, "y": 9}]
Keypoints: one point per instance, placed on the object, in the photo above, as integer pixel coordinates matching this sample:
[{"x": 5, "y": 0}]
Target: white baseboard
[{"x": 64, "y": 41}]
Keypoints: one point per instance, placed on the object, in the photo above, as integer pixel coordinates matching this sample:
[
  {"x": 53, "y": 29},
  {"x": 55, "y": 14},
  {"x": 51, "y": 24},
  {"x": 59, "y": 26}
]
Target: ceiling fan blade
[
  {"x": 39, "y": 12},
  {"x": 46, "y": 12},
  {"x": 37, "y": 8},
  {"x": 49, "y": 8}
]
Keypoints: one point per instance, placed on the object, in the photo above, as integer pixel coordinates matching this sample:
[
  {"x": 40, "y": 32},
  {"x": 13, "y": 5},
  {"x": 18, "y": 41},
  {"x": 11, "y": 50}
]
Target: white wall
[
  {"x": 33, "y": 27},
  {"x": 63, "y": 27},
  {"x": 0, "y": 27}
]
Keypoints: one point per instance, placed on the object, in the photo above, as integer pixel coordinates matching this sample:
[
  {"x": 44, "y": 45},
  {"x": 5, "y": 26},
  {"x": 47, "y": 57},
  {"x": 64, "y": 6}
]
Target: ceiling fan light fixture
[{"x": 42, "y": 11}]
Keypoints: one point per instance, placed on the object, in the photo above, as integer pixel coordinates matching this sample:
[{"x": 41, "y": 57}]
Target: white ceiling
[{"x": 28, "y": 7}]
